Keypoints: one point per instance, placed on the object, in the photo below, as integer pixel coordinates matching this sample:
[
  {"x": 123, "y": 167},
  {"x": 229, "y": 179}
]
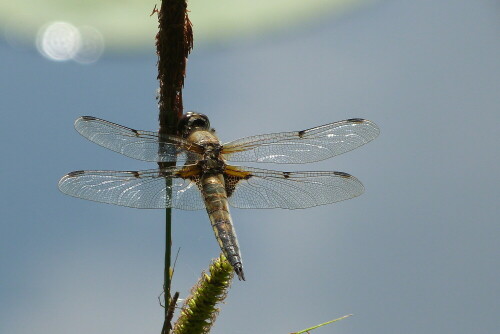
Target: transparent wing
[
  {"x": 137, "y": 144},
  {"x": 137, "y": 189},
  {"x": 304, "y": 146},
  {"x": 254, "y": 188}
]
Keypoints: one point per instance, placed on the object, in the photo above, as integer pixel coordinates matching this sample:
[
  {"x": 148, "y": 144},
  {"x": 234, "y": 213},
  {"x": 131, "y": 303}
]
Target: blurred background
[{"x": 417, "y": 253}]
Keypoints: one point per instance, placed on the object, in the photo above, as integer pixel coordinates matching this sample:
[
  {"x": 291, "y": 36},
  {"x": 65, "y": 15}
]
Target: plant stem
[
  {"x": 174, "y": 41},
  {"x": 321, "y": 325},
  {"x": 166, "y": 274}
]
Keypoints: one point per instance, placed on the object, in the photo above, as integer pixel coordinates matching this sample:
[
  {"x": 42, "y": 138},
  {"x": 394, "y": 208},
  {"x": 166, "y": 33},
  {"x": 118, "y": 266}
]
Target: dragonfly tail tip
[{"x": 239, "y": 271}]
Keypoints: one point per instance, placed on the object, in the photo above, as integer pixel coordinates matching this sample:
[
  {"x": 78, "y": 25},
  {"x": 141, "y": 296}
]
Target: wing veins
[
  {"x": 137, "y": 144},
  {"x": 304, "y": 146},
  {"x": 139, "y": 189},
  {"x": 261, "y": 188}
]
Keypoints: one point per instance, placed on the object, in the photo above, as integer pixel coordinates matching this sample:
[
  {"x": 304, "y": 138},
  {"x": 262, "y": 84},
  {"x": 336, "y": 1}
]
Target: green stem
[
  {"x": 168, "y": 251},
  {"x": 320, "y": 325}
]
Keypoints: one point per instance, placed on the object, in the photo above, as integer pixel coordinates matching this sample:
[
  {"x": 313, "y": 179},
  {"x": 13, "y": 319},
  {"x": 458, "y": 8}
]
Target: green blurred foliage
[{"x": 128, "y": 24}]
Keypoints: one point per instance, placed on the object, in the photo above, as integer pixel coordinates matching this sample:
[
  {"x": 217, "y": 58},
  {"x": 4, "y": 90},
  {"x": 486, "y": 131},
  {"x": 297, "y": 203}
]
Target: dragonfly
[{"x": 193, "y": 171}]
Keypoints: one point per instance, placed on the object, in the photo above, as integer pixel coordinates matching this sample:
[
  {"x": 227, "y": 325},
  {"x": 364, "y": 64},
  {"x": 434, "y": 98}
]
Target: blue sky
[{"x": 418, "y": 252}]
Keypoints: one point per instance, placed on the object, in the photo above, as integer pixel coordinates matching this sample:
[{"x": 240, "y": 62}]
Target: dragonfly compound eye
[{"x": 193, "y": 121}]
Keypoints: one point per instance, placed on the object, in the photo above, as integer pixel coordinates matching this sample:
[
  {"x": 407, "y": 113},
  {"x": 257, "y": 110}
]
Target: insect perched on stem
[{"x": 204, "y": 180}]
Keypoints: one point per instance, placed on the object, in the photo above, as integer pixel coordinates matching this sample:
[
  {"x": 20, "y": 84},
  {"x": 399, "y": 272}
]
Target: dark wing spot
[
  {"x": 88, "y": 118},
  {"x": 356, "y": 120},
  {"x": 233, "y": 175},
  {"x": 342, "y": 174},
  {"x": 286, "y": 175},
  {"x": 76, "y": 173},
  {"x": 301, "y": 133},
  {"x": 231, "y": 182},
  {"x": 136, "y": 174}
]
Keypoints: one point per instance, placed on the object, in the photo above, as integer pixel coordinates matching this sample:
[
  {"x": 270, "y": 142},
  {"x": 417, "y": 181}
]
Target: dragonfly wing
[
  {"x": 304, "y": 146},
  {"x": 254, "y": 188},
  {"x": 175, "y": 187},
  {"x": 137, "y": 144}
]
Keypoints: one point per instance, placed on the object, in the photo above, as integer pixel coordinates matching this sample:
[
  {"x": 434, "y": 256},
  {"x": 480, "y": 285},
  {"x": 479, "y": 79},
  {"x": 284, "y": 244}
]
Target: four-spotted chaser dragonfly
[{"x": 205, "y": 181}]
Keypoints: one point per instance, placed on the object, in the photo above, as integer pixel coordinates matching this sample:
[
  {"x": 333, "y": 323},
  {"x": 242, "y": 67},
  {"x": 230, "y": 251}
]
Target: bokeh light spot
[
  {"x": 62, "y": 41},
  {"x": 58, "y": 41},
  {"x": 91, "y": 46}
]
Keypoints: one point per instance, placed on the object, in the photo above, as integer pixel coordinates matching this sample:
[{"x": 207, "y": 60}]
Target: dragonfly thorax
[
  {"x": 212, "y": 163},
  {"x": 212, "y": 166},
  {"x": 212, "y": 150}
]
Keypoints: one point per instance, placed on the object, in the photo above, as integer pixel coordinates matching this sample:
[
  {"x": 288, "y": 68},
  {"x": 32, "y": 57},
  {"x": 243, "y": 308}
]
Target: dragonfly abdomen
[{"x": 217, "y": 207}]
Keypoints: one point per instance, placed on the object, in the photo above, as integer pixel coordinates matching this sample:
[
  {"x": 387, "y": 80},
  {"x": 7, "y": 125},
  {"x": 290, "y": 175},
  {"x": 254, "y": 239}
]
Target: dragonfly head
[{"x": 192, "y": 121}]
